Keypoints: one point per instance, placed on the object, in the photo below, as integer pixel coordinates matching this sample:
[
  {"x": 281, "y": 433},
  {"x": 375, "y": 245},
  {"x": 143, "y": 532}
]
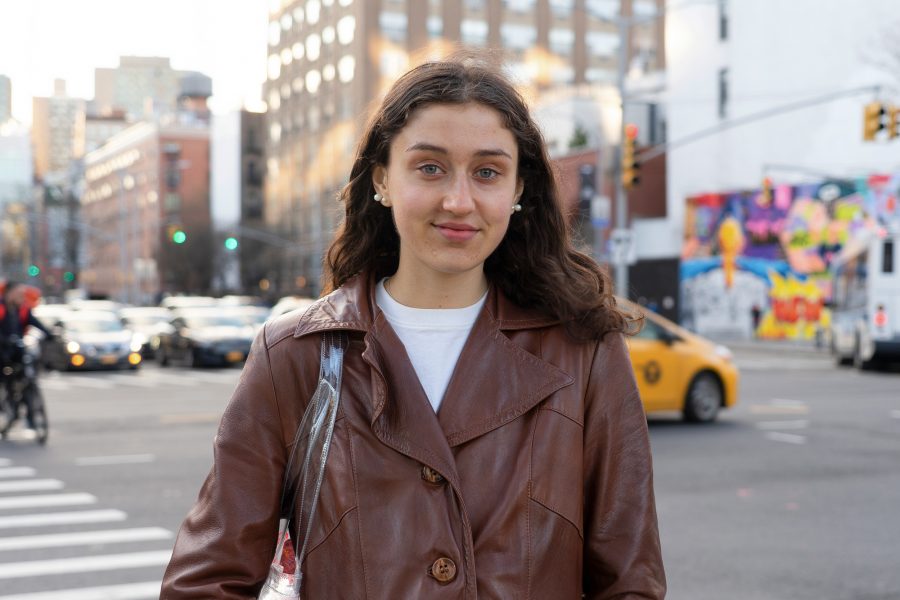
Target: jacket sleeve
[
  {"x": 622, "y": 558},
  {"x": 227, "y": 541}
]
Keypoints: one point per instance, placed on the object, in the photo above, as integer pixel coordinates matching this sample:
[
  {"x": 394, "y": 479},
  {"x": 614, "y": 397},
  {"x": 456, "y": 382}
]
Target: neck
[{"x": 456, "y": 290}]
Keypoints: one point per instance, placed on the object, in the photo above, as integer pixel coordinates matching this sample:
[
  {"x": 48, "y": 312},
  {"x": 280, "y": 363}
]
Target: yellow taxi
[{"x": 677, "y": 370}]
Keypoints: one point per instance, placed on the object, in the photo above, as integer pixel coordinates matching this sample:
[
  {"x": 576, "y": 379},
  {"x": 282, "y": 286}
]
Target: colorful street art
[{"x": 756, "y": 263}]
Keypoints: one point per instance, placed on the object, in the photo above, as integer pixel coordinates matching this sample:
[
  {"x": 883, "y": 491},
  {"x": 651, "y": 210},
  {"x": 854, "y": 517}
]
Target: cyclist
[{"x": 15, "y": 320}]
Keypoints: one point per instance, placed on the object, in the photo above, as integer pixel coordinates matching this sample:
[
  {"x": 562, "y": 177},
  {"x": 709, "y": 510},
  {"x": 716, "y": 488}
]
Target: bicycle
[{"x": 20, "y": 388}]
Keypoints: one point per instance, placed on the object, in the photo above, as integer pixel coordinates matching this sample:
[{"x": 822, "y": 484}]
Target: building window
[
  {"x": 520, "y": 6},
  {"x": 562, "y": 41},
  {"x": 435, "y": 25},
  {"x": 517, "y": 36},
  {"x": 723, "y": 93},
  {"x": 474, "y": 32},
  {"x": 393, "y": 25},
  {"x": 604, "y": 10},
  {"x": 723, "y": 19},
  {"x": 561, "y": 8},
  {"x": 887, "y": 256},
  {"x": 602, "y": 43}
]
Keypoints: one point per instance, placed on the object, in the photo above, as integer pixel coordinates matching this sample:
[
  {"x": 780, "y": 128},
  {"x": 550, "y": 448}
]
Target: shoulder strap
[{"x": 306, "y": 465}]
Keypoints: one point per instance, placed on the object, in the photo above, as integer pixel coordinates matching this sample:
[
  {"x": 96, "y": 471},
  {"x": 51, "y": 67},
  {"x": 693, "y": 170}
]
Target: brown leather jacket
[{"x": 533, "y": 481}]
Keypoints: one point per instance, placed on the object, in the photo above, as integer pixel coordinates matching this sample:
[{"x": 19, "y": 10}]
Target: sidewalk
[{"x": 775, "y": 347}]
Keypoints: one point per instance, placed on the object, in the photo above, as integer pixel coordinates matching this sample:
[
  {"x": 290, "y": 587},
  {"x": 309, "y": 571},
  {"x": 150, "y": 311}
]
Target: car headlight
[
  {"x": 73, "y": 347},
  {"x": 137, "y": 341},
  {"x": 723, "y": 352}
]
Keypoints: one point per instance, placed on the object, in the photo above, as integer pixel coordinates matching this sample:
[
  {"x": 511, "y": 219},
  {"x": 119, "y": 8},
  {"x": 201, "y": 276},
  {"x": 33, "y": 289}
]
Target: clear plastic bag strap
[{"x": 316, "y": 424}]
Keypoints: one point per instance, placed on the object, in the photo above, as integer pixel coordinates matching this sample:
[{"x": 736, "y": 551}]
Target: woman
[{"x": 490, "y": 441}]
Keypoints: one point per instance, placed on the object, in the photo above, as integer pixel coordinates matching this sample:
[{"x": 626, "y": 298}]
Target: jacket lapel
[{"x": 496, "y": 381}]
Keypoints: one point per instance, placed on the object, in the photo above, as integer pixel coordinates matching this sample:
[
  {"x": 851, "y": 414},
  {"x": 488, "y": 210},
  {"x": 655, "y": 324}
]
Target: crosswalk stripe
[
  {"x": 92, "y": 382},
  {"x": 31, "y": 485},
  {"x": 123, "y": 459},
  {"x": 82, "y": 564},
  {"x": 16, "y": 472},
  {"x": 62, "y": 518},
  {"x": 84, "y": 538},
  {"x": 147, "y": 590},
  {"x": 46, "y": 500},
  {"x": 133, "y": 379},
  {"x": 5, "y": 462}
]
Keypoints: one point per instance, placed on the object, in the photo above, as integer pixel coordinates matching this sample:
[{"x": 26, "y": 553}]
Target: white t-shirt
[{"x": 433, "y": 338}]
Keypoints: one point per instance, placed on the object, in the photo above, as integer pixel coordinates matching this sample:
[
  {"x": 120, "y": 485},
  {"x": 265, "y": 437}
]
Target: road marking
[
  {"x": 5, "y": 462},
  {"x": 30, "y": 485},
  {"x": 46, "y": 500},
  {"x": 62, "y": 518},
  {"x": 132, "y": 379},
  {"x": 795, "y": 424},
  {"x": 788, "y": 438},
  {"x": 16, "y": 472},
  {"x": 92, "y": 382},
  {"x": 189, "y": 418},
  {"x": 82, "y": 564},
  {"x": 148, "y": 590},
  {"x": 895, "y": 414},
  {"x": 91, "y": 461},
  {"x": 85, "y": 538}
]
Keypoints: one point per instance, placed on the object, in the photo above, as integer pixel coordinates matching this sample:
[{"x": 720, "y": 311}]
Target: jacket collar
[{"x": 352, "y": 307}]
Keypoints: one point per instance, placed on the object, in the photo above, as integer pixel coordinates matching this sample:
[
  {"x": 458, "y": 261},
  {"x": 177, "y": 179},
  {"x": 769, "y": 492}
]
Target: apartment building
[{"x": 329, "y": 60}]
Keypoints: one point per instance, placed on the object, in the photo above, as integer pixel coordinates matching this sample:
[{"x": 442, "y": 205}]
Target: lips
[{"x": 456, "y": 232}]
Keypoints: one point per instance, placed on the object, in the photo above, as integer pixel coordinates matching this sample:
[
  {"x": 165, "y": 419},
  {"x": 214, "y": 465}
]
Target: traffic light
[
  {"x": 630, "y": 165},
  {"x": 177, "y": 234},
  {"x": 34, "y": 270},
  {"x": 872, "y": 120},
  {"x": 893, "y": 122},
  {"x": 68, "y": 276},
  {"x": 231, "y": 243}
]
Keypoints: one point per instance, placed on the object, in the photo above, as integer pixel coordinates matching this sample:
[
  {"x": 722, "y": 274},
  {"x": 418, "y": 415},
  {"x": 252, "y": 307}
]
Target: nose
[{"x": 458, "y": 198}]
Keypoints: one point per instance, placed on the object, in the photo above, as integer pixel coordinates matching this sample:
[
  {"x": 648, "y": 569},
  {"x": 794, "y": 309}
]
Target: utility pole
[{"x": 620, "y": 256}]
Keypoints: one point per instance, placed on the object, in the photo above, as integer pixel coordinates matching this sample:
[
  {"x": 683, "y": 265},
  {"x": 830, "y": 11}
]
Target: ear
[
  {"x": 520, "y": 187},
  {"x": 379, "y": 182}
]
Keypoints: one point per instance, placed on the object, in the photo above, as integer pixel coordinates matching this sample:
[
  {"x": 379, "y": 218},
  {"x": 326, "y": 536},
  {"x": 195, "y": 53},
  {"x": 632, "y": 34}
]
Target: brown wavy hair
[{"x": 535, "y": 265}]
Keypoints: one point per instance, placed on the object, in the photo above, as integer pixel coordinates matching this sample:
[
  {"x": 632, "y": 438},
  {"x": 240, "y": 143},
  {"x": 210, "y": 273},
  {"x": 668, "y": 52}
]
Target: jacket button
[
  {"x": 431, "y": 476},
  {"x": 443, "y": 569}
]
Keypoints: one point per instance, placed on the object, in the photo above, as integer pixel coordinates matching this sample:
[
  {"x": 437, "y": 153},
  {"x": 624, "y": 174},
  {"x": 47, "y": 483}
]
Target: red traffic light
[{"x": 631, "y": 131}]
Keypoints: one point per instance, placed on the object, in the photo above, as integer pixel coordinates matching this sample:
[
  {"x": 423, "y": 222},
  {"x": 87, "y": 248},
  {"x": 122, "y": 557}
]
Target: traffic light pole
[{"x": 620, "y": 256}]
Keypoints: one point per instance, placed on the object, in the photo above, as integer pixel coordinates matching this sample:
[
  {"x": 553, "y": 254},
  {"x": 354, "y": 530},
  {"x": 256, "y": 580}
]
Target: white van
[{"x": 865, "y": 323}]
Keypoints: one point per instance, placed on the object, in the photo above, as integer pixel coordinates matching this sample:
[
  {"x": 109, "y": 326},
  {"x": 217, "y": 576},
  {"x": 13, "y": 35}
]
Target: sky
[{"x": 42, "y": 40}]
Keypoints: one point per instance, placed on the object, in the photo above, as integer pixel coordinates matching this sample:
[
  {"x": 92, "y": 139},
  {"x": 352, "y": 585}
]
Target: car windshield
[
  {"x": 205, "y": 321},
  {"x": 147, "y": 318},
  {"x": 92, "y": 325}
]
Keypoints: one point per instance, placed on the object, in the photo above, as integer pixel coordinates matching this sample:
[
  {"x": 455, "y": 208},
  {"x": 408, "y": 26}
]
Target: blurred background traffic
[{"x": 168, "y": 180}]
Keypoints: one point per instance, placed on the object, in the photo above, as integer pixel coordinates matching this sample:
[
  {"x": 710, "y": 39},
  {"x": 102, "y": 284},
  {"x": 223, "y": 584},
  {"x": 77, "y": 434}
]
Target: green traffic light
[
  {"x": 34, "y": 271},
  {"x": 179, "y": 237},
  {"x": 69, "y": 276},
  {"x": 231, "y": 243}
]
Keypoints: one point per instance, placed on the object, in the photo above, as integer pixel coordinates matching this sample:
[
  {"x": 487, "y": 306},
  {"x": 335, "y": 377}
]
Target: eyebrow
[{"x": 423, "y": 146}]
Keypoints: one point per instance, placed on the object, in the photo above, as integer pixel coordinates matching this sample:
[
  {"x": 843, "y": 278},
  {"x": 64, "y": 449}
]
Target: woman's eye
[
  {"x": 487, "y": 173},
  {"x": 430, "y": 169}
]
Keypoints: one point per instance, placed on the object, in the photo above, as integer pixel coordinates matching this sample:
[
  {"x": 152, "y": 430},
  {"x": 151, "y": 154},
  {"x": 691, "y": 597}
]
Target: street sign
[
  {"x": 600, "y": 211},
  {"x": 622, "y": 248}
]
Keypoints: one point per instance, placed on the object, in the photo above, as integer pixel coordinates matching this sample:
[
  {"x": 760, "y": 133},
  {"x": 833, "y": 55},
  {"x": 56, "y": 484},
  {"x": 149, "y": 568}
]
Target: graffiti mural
[{"x": 755, "y": 263}]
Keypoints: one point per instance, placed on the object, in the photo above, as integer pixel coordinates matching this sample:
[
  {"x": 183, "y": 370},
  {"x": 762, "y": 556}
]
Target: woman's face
[{"x": 451, "y": 182}]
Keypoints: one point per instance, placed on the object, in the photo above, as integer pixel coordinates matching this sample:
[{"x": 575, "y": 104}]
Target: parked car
[
  {"x": 289, "y": 303},
  {"x": 177, "y": 302},
  {"x": 204, "y": 337},
  {"x": 677, "y": 370},
  {"x": 91, "y": 339},
  {"x": 147, "y": 323},
  {"x": 254, "y": 316}
]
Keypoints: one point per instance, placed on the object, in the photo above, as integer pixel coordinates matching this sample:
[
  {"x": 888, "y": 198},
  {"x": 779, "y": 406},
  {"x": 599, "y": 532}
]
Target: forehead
[{"x": 457, "y": 127}]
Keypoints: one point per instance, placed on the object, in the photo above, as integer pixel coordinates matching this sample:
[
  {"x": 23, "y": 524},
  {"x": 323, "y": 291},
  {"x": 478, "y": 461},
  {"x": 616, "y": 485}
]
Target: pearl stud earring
[
  {"x": 516, "y": 207},
  {"x": 378, "y": 197}
]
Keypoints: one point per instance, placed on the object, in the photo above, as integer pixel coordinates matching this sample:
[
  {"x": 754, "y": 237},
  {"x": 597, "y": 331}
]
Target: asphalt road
[{"x": 792, "y": 495}]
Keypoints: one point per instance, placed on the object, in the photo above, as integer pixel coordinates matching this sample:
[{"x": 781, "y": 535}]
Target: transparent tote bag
[{"x": 304, "y": 472}]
